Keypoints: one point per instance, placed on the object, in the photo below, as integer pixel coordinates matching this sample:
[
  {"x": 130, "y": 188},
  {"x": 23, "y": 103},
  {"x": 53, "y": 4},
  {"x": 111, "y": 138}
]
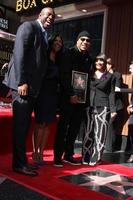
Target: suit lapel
[
  {"x": 39, "y": 32},
  {"x": 102, "y": 81}
]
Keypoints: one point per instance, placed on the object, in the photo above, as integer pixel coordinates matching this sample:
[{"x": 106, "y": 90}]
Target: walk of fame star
[{"x": 109, "y": 183}]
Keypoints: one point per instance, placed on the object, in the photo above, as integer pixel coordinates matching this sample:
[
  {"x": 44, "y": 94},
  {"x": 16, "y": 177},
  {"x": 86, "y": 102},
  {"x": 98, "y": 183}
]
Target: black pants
[
  {"x": 67, "y": 130},
  {"x": 115, "y": 128},
  {"x": 22, "y": 110},
  {"x": 130, "y": 135}
]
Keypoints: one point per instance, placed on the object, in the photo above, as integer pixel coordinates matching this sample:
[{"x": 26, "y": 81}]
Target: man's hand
[
  {"x": 23, "y": 90},
  {"x": 74, "y": 99}
]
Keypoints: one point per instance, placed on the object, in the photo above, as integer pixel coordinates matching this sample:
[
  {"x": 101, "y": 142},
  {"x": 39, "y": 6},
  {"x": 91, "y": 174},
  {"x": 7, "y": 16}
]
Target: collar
[
  {"x": 80, "y": 52},
  {"x": 42, "y": 28}
]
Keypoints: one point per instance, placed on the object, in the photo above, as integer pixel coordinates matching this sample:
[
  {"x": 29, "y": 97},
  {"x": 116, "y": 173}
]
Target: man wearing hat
[{"x": 71, "y": 109}]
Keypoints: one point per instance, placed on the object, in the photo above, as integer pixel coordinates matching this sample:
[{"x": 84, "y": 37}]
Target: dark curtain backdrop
[{"x": 70, "y": 29}]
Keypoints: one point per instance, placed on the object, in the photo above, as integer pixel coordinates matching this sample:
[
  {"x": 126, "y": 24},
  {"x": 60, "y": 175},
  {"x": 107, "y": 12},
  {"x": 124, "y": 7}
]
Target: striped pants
[{"x": 95, "y": 134}]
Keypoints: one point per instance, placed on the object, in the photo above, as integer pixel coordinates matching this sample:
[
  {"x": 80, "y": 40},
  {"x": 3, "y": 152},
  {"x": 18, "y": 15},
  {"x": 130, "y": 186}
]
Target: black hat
[{"x": 83, "y": 34}]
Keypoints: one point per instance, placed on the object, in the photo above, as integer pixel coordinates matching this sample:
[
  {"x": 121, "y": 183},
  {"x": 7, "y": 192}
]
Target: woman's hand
[
  {"x": 130, "y": 109},
  {"x": 113, "y": 114}
]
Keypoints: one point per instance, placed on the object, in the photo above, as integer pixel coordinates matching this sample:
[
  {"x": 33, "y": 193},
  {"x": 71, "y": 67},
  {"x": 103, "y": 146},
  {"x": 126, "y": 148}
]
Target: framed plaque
[{"x": 79, "y": 84}]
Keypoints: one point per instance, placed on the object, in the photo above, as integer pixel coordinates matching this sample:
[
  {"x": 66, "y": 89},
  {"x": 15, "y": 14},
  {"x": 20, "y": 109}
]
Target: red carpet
[
  {"x": 6, "y": 132},
  {"x": 49, "y": 181}
]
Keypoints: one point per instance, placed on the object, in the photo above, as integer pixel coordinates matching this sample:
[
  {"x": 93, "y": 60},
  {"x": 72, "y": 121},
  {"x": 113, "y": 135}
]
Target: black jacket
[
  {"x": 131, "y": 100},
  {"x": 73, "y": 59},
  {"x": 102, "y": 92},
  {"x": 118, "y": 96}
]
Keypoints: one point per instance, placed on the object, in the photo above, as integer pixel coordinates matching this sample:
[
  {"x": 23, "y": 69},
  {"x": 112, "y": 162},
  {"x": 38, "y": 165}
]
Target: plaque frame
[{"x": 79, "y": 84}]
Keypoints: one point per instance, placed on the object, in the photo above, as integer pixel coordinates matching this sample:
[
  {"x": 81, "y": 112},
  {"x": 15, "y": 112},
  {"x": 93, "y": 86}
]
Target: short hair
[{"x": 101, "y": 56}]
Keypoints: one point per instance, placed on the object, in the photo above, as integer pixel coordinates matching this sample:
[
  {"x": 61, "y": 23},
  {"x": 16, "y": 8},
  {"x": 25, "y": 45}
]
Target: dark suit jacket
[
  {"x": 131, "y": 100},
  {"x": 73, "y": 59},
  {"x": 118, "y": 96},
  {"x": 102, "y": 93},
  {"x": 29, "y": 62}
]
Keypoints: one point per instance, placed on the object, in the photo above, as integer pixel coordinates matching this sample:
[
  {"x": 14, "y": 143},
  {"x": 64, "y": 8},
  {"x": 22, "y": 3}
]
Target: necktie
[{"x": 45, "y": 35}]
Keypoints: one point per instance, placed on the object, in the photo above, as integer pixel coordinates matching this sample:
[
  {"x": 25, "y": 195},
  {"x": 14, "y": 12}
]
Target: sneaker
[
  {"x": 71, "y": 161},
  {"x": 58, "y": 163},
  {"x": 85, "y": 163}
]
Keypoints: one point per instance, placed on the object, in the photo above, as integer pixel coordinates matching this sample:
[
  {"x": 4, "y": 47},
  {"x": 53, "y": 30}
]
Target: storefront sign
[
  {"x": 25, "y": 5},
  {"x": 3, "y": 24},
  {"x": 6, "y": 48},
  {"x": 22, "y": 5}
]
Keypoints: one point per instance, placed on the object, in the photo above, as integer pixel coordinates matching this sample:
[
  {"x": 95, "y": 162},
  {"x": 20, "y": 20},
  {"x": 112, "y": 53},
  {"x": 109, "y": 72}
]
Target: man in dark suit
[
  {"x": 115, "y": 123},
  {"x": 71, "y": 109},
  {"x": 130, "y": 120},
  {"x": 25, "y": 76}
]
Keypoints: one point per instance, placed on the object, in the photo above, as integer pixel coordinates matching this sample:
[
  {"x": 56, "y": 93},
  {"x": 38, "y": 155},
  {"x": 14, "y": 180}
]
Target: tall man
[
  {"x": 71, "y": 111},
  {"x": 115, "y": 123},
  {"x": 25, "y": 77}
]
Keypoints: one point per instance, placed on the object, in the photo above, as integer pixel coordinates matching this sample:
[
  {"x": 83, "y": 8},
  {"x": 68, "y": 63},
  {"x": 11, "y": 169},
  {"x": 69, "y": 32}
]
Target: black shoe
[
  {"x": 25, "y": 171},
  {"x": 58, "y": 163},
  {"x": 85, "y": 163},
  {"x": 95, "y": 163},
  {"x": 71, "y": 161},
  {"x": 32, "y": 166}
]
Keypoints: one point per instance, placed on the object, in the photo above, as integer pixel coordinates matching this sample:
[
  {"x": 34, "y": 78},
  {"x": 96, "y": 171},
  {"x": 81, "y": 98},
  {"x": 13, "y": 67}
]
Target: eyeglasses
[{"x": 85, "y": 39}]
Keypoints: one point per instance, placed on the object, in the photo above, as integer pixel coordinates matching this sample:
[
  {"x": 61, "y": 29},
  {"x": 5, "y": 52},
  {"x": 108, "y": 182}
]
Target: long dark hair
[{"x": 51, "y": 40}]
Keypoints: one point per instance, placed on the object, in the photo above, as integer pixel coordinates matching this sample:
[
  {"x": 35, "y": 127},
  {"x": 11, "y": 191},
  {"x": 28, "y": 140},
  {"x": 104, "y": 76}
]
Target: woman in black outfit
[
  {"x": 102, "y": 103},
  {"x": 48, "y": 108}
]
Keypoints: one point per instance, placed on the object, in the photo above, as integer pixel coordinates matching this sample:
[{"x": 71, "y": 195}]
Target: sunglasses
[{"x": 85, "y": 39}]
